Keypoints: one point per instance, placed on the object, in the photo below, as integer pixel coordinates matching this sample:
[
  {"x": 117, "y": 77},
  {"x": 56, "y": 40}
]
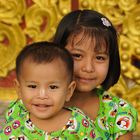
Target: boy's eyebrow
[
  {"x": 35, "y": 82},
  {"x": 30, "y": 82}
]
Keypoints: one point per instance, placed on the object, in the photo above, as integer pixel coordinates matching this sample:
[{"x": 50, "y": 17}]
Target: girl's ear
[
  {"x": 17, "y": 87},
  {"x": 71, "y": 89}
]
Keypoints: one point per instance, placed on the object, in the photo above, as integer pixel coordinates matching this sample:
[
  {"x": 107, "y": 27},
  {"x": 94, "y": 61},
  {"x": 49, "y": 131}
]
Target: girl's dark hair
[
  {"x": 96, "y": 26},
  {"x": 44, "y": 52}
]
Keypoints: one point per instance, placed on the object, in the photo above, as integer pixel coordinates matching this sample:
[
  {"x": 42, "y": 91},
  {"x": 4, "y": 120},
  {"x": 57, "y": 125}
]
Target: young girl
[
  {"x": 44, "y": 83},
  {"x": 92, "y": 40}
]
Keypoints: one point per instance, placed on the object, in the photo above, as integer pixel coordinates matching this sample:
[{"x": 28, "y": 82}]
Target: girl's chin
[{"x": 84, "y": 89}]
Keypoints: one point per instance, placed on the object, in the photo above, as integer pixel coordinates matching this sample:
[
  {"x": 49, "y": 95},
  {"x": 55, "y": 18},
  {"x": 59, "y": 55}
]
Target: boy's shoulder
[{"x": 15, "y": 108}]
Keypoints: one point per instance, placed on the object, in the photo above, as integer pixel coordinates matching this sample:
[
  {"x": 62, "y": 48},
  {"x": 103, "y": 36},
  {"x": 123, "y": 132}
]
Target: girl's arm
[{"x": 128, "y": 136}]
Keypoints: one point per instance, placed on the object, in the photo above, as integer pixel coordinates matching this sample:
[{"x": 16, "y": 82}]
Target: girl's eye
[
  {"x": 53, "y": 87},
  {"x": 32, "y": 86},
  {"x": 101, "y": 58},
  {"x": 76, "y": 55}
]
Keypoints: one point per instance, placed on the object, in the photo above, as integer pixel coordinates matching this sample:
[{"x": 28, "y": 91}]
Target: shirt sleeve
[{"x": 126, "y": 118}]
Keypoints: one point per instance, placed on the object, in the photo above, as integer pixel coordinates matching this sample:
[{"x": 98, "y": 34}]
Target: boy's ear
[
  {"x": 71, "y": 89},
  {"x": 17, "y": 87}
]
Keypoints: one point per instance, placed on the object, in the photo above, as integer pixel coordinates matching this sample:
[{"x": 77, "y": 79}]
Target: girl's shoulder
[
  {"x": 79, "y": 115},
  {"x": 82, "y": 124},
  {"x": 117, "y": 104},
  {"x": 118, "y": 114}
]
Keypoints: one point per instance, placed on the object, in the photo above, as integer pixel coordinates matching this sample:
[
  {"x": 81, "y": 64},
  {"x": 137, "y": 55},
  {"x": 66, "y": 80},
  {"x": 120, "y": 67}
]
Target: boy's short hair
[{"x": 44, "y": 52}]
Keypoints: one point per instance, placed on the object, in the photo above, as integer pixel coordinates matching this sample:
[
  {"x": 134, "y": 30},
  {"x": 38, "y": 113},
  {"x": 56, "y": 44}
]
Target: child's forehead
[
  {"x": 80, "y": 38},
  {"x": 88, "y": 41}
]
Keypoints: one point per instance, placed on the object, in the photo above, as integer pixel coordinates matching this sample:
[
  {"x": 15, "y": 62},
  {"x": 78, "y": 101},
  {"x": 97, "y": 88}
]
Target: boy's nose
[{"x": 43, "y": 93}]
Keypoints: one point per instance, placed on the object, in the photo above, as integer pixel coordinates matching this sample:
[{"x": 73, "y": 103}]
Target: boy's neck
[{"x": 54, "y": 123}]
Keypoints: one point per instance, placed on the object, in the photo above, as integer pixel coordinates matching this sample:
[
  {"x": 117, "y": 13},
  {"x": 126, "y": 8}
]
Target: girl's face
[{"x": 90, "y": 65}]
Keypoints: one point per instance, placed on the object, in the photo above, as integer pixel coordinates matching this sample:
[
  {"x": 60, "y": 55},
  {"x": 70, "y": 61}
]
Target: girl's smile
[
  {"x": 85, "y": 80},
  {"x": 90, "y": 65}
]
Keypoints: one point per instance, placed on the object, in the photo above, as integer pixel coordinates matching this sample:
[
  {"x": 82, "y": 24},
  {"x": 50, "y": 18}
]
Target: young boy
[{"x": 44, "y": 83}]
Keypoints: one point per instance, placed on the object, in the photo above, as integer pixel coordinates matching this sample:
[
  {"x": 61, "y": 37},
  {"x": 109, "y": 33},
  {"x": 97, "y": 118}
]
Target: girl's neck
[
  {"x": 80, "y": 95},
  {"x": 79, "y": 99},
  {"x": 88, "y": 102}
]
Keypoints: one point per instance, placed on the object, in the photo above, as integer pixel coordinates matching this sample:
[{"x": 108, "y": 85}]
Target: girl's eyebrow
[
  {"x": 77, "y": 49},
  {"x": 101, "y": 53}
]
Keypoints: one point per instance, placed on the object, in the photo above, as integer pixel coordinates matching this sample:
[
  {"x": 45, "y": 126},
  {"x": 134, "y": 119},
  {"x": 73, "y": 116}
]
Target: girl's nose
[{"x": 88, "y": 66}]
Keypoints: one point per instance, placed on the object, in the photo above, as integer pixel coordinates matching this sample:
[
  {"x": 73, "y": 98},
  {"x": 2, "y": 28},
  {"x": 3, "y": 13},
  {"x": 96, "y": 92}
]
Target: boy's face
[{"x": 44, "y": 88}]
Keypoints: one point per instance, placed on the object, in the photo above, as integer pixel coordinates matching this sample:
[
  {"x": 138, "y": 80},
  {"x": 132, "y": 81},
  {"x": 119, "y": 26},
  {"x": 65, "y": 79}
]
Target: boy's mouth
[{"x": 42, "y": 107}]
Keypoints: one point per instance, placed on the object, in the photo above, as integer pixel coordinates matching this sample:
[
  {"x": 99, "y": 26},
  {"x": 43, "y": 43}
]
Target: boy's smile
[
  {"x": 41, "y": 106},
  {"x": 44, "y": 88}
]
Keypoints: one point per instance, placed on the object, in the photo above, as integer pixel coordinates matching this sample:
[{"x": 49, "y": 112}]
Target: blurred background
[{"x": 25, "y": 21}]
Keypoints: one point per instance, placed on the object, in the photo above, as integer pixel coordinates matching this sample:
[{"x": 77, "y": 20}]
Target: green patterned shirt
[
  {"x": 115, "y": 117},
  {"x": 20, "y": 127}
]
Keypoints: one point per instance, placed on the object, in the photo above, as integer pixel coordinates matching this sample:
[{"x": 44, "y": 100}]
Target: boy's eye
[
  {"x": 53, "y": 87},
  {"x": 32, "y": 86}
]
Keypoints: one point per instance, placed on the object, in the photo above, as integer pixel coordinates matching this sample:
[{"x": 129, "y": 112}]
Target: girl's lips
[{"x": 85, "y": 80}]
